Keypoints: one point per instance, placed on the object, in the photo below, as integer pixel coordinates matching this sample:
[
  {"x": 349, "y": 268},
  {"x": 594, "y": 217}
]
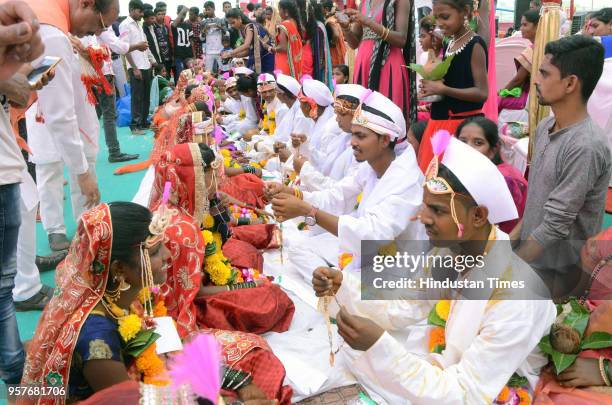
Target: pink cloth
[
  {"x": 394, "y": 79},
  {"x": 490, "y": 106},
  {"x": 518, "y": 189}
]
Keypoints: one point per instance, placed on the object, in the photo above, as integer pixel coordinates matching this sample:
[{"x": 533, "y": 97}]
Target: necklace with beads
[{"x": 451, "y": 44}]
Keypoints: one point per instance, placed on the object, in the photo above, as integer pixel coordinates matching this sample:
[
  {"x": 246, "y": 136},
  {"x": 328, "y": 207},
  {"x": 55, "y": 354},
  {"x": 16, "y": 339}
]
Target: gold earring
[{"x": 123, "y": 285}]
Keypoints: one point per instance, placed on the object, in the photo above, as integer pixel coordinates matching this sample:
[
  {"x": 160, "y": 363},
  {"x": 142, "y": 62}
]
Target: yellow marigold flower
[
  {"x": 263, "y": 163},
  {"x": 208, "y": 221},
  {"x": 218, "y": 271},
  {"x": 225, "y": 153},
  {"x": 504, "y": 395},
  {"x": 359, "y": 197},
  {"x": 242, "y": 114},
  {"x": 443, "y": 309},
  {"x": 255, "y": 165},
  {"x": 208, "y": 236},
  {"x": 524, "y": 397},
  {"x": 218, "y": 240},
  {"x": 129, "y": 326}
]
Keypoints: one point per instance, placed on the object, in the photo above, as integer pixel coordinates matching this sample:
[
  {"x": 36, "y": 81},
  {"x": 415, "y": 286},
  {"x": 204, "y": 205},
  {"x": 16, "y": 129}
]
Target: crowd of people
[{"x": 293, "y": 143}]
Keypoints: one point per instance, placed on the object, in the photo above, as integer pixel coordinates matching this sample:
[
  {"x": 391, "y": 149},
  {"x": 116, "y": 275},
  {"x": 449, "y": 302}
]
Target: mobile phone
[{"x": 48, "y": 63}]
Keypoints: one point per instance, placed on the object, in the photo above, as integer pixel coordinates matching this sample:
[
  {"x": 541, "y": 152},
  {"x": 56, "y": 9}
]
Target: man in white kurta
[
  {"x": 292, "y": 122},
  {"x": 339, "y": 160},
  {"x": 490, "y": 334},
  {"x": 316, "y": 102},
  {"x": 63, "y": 130},
  {"x": 274, "y": 111},
  {"x": 392, "y": 193},
  {"x": 388, "y": 184}
]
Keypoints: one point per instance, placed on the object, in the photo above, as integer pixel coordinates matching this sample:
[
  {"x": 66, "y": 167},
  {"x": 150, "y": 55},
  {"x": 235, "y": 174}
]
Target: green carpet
[{"x": 112, "y": 188}]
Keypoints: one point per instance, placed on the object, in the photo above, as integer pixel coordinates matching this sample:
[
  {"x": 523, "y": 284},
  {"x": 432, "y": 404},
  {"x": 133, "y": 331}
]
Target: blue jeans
[
  {"x": 179, "y": 66},
  {"x": 12, "y": 357}
]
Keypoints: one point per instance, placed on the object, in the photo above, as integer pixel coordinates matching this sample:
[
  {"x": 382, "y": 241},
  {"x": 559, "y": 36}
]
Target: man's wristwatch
[{"x": 311, "y": 219}]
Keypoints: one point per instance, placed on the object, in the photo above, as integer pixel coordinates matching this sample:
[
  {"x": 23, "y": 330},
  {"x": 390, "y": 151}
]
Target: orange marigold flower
[
  {"x": 504, "y": 395},
  {"x": 436, "y": 338},
  {"x": 344, "y": 260},
  {"x": 160, "y": 309},
  {"x": 524, "y": 397}
]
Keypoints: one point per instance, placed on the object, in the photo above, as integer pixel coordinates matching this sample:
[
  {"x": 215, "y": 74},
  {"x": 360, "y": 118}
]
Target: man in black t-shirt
[{"x": 181, "y": 31}]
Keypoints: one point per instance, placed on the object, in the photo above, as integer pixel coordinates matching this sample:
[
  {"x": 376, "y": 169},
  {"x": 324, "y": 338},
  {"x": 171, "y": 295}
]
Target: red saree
[
  {"x": 268, "y": 372},
  {"x": 81, "y": 281},
  {"x": 247, "y": 188},
  {"x": 268, "y": 308},
  {"x": 258, "y": 310},
  {"x": 289, "y": 62}
]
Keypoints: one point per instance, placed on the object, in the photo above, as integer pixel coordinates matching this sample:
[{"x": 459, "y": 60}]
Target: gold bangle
[
  {"x": 386, "y": 34},
  {"x": 602, "y": 371}
]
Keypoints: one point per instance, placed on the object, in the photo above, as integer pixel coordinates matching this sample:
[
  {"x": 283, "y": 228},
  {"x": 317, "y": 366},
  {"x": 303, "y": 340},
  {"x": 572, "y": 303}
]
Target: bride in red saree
[{"x": 191, "y": 297}]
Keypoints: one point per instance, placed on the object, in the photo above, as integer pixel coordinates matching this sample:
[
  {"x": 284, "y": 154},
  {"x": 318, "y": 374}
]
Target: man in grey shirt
[{"x": 570, "y": 167}]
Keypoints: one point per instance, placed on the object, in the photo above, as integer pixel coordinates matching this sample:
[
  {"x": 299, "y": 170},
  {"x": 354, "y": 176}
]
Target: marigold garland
[
  {"x": 208, "y": 237},
  {"x": 129, "y": 326},
  {"x": 160, "y": 309},
  {"x": 217, "y": 266},
  {"x": 344, "y": 260},
  {"x": 208, "y": 221},
  {"x": 443, "y": 309},
  {"x": 437, "y": 340},
  {"x": 504, "y": 395},
  {"x": 513, "y": 393}
]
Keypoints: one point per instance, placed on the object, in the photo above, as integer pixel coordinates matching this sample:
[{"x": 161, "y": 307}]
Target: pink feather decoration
[
  {"x": 199, "y": 366},
  {"x": 439, "y": 141},
  {"x": 262, "y": 77},
  {"x": 199, "y": 78},
  {"x": 277, "y": 72},
  {"x": 226, "y": 76}
]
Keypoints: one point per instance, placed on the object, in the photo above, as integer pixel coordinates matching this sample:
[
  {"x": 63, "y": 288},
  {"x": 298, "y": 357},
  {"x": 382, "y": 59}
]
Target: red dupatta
[
  {"x": 81, "y": 281},
  {"x": 184, "y": 169}
]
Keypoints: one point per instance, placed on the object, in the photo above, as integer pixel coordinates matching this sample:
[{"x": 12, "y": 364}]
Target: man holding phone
[
  {"x": 62, "y": 126},
  {"x": 20, "y": 43}
]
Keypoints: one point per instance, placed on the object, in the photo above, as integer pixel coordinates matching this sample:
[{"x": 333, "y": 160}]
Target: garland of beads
[{"x": 148, "y": 363}]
